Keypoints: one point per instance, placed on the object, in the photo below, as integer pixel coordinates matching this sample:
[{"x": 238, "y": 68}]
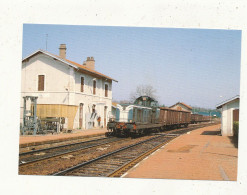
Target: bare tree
[{"x": 143, "y": 90}]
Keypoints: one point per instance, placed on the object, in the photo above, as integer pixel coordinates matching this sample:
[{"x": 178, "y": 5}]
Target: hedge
[{"x": 235, "y": 128}]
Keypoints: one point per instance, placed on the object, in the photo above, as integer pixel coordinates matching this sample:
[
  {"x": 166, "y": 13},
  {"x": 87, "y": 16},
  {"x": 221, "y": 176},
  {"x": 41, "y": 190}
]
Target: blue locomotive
[{"x": 135, "y": 119}]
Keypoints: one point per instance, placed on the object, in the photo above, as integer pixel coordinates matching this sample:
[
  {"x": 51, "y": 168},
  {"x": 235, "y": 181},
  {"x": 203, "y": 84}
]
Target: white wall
[
  {"x": 227, "y": 117},
  {"x": 57, "y": 80},
  {"x": 88, "y": 98},
  {"x": 63, "y": 86}
]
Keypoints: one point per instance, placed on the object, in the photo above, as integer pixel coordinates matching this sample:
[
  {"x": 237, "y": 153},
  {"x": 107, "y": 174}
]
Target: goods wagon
[
  {"x": 206, "y": 118},
  {"x": 171, "y": 118},
  {"x": 197, "y": 118}
]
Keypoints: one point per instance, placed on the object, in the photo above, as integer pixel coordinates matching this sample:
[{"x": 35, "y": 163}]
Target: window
[
  {"x": 82, "y": 84},
  {"x": 106, "y": 90},
  {"x": 41, "y": 82},
  {"x": 94, "y": 87}
]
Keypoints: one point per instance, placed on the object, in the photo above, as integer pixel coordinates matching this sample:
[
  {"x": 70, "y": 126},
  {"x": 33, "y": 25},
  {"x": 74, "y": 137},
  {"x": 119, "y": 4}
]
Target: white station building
[
  {"x": 67, "y": 89},
  {"x": 229, "y": 114}
]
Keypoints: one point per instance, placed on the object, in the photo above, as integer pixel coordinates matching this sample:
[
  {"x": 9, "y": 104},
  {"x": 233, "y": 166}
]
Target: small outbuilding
[
  {"x": 229, "y": 114},
  {"x": 181, "y": 106}
]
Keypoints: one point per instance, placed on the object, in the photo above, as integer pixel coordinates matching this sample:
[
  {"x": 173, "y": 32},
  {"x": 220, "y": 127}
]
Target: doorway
[
  {"x": 80, "y": 115},
  {"x": 105, "y": 112}
]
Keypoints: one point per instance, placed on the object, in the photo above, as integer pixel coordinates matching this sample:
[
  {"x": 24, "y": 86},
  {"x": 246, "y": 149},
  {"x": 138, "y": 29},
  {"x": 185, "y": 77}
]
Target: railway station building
[
  {"x": 229, "y": 114},
  {"x": 76, "y": 92},
  {"x": 181, "y": 106}
]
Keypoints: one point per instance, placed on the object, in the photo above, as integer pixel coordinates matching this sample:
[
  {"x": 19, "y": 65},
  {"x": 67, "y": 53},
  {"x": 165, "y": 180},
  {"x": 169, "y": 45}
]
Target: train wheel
[
  {"x": 127, "y": 134},
  {"x": 133, "y": 135}
]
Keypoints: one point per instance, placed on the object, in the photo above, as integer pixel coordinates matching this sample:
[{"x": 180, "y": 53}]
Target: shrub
[{"x": 235, "y": 128}]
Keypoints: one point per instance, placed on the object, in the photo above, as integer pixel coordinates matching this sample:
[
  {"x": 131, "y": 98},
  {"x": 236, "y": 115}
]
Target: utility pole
[{"x": 46, "y": 42}]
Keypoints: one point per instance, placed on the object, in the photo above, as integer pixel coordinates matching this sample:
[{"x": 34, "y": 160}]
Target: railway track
[
  {"x": 30, "y": 157},
  {"x": 56, "y": 159},
  {"x": 107, "y": 164},
  {"x": 116, "y": 163},
  {"x": 53, "y": 143}
]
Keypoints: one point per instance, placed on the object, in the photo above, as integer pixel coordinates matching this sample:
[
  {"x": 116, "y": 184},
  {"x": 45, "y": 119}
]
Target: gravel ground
[{"x": 57, "y": 164}]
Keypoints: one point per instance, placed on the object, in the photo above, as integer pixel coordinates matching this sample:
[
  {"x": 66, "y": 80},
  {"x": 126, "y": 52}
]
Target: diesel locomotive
[{"x": 137, "y": 118}]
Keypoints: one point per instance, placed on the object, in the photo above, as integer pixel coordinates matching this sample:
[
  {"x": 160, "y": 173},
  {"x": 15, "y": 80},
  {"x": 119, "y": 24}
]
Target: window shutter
[
  {"x": 41, "y": 82},
  {"x": 94, "y": 87},
  {"x": 82, "y": 84},
  {"x": 106, "y": 90}
]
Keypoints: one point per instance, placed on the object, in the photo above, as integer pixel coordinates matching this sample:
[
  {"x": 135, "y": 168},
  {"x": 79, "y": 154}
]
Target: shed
[
  {"x": 229, "y": 114},
  {"x": 181, "y": 106}
]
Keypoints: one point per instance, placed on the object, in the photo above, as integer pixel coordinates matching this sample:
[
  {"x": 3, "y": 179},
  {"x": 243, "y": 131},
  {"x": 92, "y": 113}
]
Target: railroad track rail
[
  {"x": 105, "y": 165},
  {"x": 54, "y": 143},
  {"x": 30, "y": 157},
  {"x": 116, "y": 163}
]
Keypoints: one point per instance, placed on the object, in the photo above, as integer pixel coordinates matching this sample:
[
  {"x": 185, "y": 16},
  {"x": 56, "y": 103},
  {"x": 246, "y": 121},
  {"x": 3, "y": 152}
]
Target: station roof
[
  {"x": 227, "y": 101},
  {"x": 70, "y": 63}
]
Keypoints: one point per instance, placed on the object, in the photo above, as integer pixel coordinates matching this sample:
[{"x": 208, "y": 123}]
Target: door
[
  {"x": 105, "y": 112},
  {"x": 235, "y": 115},
  {"x": 80, "y": 115}
]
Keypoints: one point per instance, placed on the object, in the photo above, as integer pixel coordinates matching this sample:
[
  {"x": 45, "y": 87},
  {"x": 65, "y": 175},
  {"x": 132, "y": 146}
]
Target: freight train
[
  {"x": 145, "y": 116},
  {"x": 197, "y": 118}
]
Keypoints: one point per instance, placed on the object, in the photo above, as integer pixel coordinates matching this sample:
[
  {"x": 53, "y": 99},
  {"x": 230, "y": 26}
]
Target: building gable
[
  {"x": 67, "y": 62},
  {"x": 181, "y": 106}
]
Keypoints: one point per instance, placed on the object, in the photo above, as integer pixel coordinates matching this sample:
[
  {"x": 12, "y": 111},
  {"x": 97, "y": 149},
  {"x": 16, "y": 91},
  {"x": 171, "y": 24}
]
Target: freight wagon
[
  {"x": 171, "y": 118},
  {"x": 197, "y": 118}
]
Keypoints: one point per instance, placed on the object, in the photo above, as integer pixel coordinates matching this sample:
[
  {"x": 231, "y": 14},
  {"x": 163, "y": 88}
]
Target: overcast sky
[{"x": 197, "y": 67}]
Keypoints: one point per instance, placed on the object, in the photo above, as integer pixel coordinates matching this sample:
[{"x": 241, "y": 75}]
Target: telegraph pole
[{"x": 46, "y": 42}]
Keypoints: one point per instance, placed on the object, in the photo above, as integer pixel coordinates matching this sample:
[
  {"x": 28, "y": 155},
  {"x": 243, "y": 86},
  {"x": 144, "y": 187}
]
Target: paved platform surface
[
  {"x": 192, "y": 156},
  {"x": 39, "y": 139}
]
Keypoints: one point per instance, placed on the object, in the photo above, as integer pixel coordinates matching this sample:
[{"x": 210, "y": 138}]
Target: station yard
[{"x": 201, "y": 154}]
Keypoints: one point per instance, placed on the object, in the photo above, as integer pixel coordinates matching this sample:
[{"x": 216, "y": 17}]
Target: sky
[{"x": 200, "y": 67}]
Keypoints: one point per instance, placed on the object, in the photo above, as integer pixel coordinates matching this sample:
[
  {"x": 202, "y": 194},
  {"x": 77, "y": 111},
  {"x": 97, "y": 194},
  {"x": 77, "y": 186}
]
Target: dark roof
[{"x": 70, "y": 63}]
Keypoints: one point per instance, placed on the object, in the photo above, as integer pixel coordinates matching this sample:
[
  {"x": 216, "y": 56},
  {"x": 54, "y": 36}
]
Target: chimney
[
  {"x": 62, "y": 51},
  {"x": 90, "y": 63}
]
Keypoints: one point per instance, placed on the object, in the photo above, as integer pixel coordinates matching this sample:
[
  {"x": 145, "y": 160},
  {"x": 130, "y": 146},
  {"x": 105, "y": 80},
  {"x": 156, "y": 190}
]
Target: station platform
[
  {"x": 32, "y": 140},
  {"x": 201, "y": 154}
]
